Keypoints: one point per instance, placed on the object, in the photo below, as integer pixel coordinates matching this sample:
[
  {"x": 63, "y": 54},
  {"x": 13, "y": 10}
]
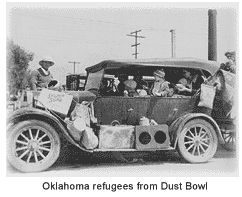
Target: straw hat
[
  {"x": 47, "y": 59},
  {"x": 159, "y": 73}
]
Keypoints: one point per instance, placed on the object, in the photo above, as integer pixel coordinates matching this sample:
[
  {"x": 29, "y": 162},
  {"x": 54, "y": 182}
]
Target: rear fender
[
  {"x": 45, "y": 116},
  {"x": 177, "y": 126}
]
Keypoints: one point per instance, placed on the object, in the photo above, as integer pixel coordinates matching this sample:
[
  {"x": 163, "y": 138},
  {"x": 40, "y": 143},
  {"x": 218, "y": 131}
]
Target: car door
[
  {"x": 129, "y": 110},
  {"x": 108, "y": 109}
]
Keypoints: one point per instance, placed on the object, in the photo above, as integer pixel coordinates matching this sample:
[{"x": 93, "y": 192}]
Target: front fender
[
  {"x": 177, "y": 126},
  {"x": 30, "y": 113}
]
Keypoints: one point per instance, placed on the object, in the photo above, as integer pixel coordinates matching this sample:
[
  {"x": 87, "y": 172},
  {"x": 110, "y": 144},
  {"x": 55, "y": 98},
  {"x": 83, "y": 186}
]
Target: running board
[{"x": 131, "y": 150}]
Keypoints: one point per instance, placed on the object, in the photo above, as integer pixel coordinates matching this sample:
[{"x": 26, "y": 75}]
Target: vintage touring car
[{"x": 121, "y": 124}]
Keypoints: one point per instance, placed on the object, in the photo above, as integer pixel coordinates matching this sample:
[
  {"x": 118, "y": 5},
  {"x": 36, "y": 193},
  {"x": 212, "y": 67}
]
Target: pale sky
[{"x": 92, "y": 32}]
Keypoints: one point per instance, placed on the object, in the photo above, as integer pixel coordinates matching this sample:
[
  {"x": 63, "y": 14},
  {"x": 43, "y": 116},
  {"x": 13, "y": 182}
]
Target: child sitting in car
[
  {"x": 160, "y": 86},
  {"x": 130, "y": 88}
]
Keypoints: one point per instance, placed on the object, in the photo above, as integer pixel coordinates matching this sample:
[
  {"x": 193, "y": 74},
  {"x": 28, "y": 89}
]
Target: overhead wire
[
  {"x": 63, "y": 40},
  {"x": 76, "y": 22},
  {"x": 86, "y": 21}
]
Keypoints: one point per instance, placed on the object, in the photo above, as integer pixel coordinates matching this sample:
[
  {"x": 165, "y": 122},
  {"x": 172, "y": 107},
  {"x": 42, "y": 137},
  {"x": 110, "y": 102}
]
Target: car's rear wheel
[
  {"x": 197, "y": 142},
  {"x": 32, "y": 146},
  {"x": 229, "y": 137}
]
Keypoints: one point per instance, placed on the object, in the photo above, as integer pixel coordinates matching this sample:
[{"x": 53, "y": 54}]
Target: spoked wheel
[
  {"x": 229, "y": 137},
  {"x": 198, "y": 141},
  {"x": 32, "y": 146}
]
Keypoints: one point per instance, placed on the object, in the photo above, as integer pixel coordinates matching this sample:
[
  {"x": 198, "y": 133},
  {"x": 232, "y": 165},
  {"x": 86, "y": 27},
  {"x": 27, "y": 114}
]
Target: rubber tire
[
  {"x": 214, "y": 143},
  {"x": 19, "y": 164},
  {"x": 229, "y": 146}
]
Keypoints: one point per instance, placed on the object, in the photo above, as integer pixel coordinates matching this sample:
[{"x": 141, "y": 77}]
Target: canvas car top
[
  {"x": 77, "y": 74},
  {"x": 111, "y": 65}
]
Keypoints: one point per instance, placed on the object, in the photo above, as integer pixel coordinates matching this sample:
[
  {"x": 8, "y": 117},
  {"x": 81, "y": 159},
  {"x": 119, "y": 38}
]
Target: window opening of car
[{"x": 82, "y": 83}]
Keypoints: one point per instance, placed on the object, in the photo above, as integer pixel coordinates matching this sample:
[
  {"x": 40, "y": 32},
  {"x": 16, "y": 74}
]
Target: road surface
[{"x": 74, "y": 163}]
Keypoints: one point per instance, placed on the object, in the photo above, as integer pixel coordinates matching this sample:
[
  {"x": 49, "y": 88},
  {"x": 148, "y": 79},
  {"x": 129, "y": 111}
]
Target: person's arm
[
  {"x": 197, "y": 84},
  {"x": 156, "y": 93},
  {"x": 163, "y": 89},
  {"x": 155, "y": 90},
  {"x": 185, "y": 89},
  {"x": 182, "y": 86}
]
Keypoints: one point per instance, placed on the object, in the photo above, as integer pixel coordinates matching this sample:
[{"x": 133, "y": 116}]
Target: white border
[{"x": 32, "y": 186}]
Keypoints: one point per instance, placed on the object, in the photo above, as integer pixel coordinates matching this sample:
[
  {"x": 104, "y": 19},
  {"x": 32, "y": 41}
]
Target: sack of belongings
[
  {"x": 225, "y": 87},
  {"x": 207, "y": 96},
  {"x": 229, "y": 93},
  {"x": 89, "y": 139},
  {"x": 81, "y": 119},
  {"x": 76, "y": 127}
]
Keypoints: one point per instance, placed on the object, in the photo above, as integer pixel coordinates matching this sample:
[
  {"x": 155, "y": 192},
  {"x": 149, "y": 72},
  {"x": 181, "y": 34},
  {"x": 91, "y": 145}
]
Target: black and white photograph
[{"x": 122, "y": 89}]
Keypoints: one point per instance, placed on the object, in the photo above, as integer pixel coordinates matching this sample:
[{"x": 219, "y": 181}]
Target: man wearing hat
[
  {"x": 160, "y": 86},
  {"x": 230, "y": 65},
  {"x": 42, "y": 76}
]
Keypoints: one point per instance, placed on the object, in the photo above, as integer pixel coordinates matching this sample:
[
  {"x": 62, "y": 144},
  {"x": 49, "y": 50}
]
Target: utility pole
[
  {"x": 212, "y": 35},
  {"x": 136, "y": 41},
  {"x": 74, "y": 65},
  {"x": 173, "y": 42}
]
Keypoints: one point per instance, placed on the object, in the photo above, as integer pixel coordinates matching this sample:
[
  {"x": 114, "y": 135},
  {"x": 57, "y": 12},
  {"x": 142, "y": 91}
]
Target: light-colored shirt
[
  {"x": 160, "y": 88},
  {"x": 46, "y": 72}
]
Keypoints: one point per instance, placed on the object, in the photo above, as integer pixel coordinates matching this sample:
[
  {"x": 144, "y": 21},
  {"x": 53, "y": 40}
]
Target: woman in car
[
  {"x": 160, "y": 86},
  {"x": 190, "y": 83}
]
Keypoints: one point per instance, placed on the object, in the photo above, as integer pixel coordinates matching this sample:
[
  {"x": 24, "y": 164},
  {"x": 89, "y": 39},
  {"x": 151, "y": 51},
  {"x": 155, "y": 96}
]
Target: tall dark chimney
[{"x": 212, "y": 35}]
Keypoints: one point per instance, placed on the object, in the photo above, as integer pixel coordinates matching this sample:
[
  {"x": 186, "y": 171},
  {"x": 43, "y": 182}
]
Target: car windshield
[{"x": 94, "y": 80}]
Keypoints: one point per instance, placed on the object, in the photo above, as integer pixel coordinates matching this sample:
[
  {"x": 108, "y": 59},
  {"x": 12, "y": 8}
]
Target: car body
[
  {"x": 75, "y": 82},
  {"x": 174, "y": 123}
]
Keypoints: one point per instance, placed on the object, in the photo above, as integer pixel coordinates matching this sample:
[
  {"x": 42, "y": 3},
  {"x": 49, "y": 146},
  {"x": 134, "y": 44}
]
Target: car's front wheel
[
  {"x": 197, "y": 142},
  {"x": 32, "y": 146}
]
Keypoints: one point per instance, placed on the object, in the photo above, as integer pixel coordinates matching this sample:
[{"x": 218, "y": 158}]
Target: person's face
[
  {"x": 46, "y": 65},
  {"x": 229, "y": 56},
  {"x": 186, "y": 74},
  {"x": 157, "y": 78}
]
